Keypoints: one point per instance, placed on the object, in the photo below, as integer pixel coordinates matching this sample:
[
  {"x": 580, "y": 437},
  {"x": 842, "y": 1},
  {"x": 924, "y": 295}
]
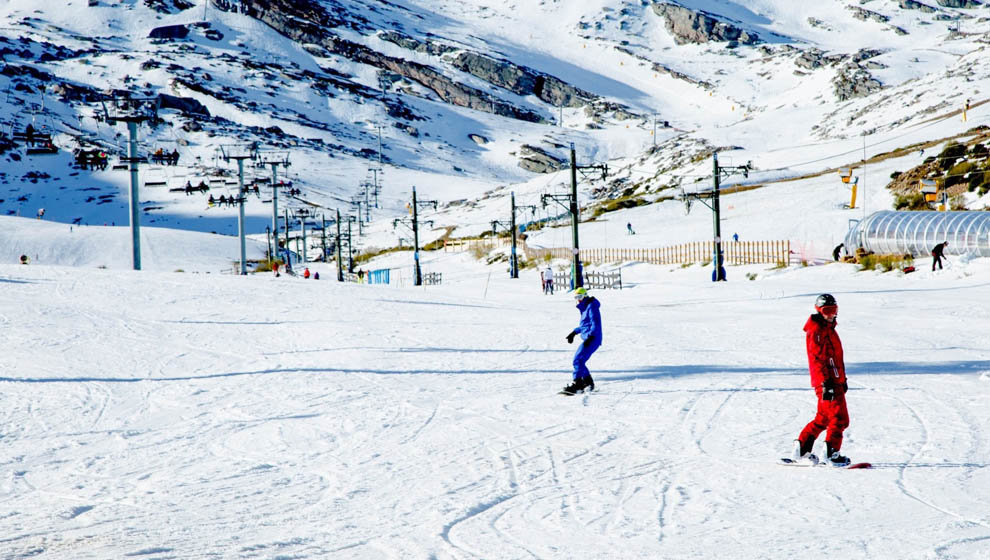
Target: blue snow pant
[{"x": 584, "y": 352}]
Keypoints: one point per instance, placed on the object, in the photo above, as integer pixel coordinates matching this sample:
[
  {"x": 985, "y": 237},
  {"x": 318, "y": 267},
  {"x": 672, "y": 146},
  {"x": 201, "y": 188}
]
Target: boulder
[
  {"x": 864, "y": 15},
  {"x": 912, "y": 5},
  {"x": 539, "y": 160},
  {"x": 854, "y": 81},
  {"x": 689, "y": 26},
  {"x": 169, "y": 32},
  {"x": 960, "y": 3},
  {"x": 186, "y": 105}
]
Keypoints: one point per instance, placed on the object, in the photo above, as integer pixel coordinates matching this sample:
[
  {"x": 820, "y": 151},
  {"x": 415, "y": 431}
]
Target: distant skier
[
  {"x": 735, "y": 237},
  {"x": 937, "y": 254},
  {"x": 306, "y": 273},
  {"x": 275, "y": 268},
  {"x": 828, "y": 377},
  {"x": 547, "y": 276},
  {"x": 629, "y": 229},
  {"x": 590, "y": 330}
]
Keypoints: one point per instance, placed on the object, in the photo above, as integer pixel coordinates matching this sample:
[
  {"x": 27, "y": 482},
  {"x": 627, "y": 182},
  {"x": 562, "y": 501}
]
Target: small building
[{"x": 928, "y": 188}]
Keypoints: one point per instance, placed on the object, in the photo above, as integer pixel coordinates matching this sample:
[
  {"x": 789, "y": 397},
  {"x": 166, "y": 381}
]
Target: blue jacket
[{"x": 591, "y": 319}]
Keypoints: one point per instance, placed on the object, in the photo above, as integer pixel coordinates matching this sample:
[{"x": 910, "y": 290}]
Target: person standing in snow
[
  {"x": 548, "y": 280},
  {"x": 590, "y": 329},
  {"x": 937, "y": 254},
  {"x": 275, "y": 268},
  {"x": 836, "y": 253},
  {"x": 828, "y": 377}
]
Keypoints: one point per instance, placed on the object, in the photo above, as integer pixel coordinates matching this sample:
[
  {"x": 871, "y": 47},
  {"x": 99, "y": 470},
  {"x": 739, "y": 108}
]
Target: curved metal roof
[{"x": 916, "y": 233}]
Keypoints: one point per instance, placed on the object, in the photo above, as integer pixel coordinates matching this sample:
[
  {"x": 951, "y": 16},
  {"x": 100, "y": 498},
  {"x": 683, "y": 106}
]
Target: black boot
[
  {"x": 574, "y": 388},
  {"x": 589, "y": 385},
  {"x": 578, "y": 386},
  {"x": 833, "y": 457}
]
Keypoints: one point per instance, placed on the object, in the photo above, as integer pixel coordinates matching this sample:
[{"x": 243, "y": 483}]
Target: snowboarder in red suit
[{"x": 828, "y": 377}]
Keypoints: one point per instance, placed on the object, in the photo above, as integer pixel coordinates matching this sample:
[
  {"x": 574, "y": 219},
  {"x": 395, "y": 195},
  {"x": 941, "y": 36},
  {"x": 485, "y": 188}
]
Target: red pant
[{"x": 832, "y": 415}]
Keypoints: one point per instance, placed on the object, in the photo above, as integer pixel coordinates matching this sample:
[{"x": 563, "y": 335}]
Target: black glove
[
  {"x": 570, "y": 337},
  {"x": 845, "y": 388},
  {"x": 828, "y": 390},
  {"x": 588, "y": 341}
]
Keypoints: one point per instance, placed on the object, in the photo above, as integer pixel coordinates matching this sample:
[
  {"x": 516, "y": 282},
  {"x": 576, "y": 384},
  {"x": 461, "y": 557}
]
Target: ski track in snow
[{"x": 360, "y": 424}]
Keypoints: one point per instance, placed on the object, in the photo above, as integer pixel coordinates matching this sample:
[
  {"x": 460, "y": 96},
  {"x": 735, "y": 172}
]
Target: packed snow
[
  {"x": 181, "y": 415},
  {"x": 185, "y": 411}
]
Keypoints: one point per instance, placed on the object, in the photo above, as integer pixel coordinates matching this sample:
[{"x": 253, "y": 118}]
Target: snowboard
[
  {"x": 792, "y": 463},
  {"x": 584, "y": 391}
]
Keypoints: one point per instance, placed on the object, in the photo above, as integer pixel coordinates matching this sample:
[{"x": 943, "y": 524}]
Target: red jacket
[{"x": 824, "y": 352}]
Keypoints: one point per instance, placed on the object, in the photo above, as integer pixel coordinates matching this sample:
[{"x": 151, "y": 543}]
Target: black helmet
[{"x": 824, "y": 300}]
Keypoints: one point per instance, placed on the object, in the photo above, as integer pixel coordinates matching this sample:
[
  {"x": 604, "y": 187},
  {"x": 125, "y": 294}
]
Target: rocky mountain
[{"x": 462, "y": 96}]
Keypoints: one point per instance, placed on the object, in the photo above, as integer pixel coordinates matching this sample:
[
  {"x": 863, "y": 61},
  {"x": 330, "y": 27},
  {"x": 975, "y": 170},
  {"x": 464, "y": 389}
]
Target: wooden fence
[
  {"x": 596, "y": 280},
  {"x": 487, "y": 244},
  {"x": 735, "y": 252}
]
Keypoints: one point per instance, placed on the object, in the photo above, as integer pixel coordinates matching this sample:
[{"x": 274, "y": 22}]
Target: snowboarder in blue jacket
[{"x": 590, "y": 330}]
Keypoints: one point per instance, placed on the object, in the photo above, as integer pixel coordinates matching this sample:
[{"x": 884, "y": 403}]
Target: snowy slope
[
  {"x": 784, "y": 118},
  {"x": 177, "y": 415},
  {"x": 194, "y": 416}
]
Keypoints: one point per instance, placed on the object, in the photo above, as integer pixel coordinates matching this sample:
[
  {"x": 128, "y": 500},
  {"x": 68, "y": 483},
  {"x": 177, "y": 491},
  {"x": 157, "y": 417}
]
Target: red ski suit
[{"x": 825, "y": 363}]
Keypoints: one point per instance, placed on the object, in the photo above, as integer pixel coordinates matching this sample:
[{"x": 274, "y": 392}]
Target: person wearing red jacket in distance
[{"x": 828, "y": 377}]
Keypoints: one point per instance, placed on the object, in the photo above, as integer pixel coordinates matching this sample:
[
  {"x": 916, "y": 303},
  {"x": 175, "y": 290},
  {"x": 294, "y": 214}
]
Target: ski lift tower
[
  {"x": 132, "y": 110},
  {"x": 239, "y": 153},
  {"x": 274, "y": 159}
]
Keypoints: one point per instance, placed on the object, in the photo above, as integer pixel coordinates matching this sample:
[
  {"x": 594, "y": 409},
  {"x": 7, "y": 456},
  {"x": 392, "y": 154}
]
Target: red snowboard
[{"x": 792, "y": 463}]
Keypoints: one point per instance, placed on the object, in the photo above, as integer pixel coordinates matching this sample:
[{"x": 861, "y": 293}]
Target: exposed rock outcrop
[
  {"x": 854, "y": 81},
  {"x": 539, "y": 160},
  {"x": 522, "y": 81},
  {"x": 187, "y": 105},
  {"x": 689, "y": 26},
  {"x": 863, "y": 14},
  {"x": 429, "y": 47},
  {"x": 307, "y": 22},
  {"x": 912, "y": 5},
  {"x": 960, "y": 3}
]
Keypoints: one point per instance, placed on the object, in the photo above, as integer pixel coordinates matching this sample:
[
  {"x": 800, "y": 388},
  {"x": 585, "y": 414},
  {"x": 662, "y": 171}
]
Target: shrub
[
  {"x": 950, "y": 154},
  {"x": 479, "y": 251},
  {"x": 978, "y": 178},
  {"x": 912, "y": 201},
  {"x": 957, "y": 173},
  {"x": 618, "y": 204},
  {"x": 264, "y": 265},
  {"x": 979, "y": 151},
  {"x": 872, "y": 261},
  {"x": 373, "y": 252}
]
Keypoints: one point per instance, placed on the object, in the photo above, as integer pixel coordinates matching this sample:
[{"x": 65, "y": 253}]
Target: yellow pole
[{"x": 852, "y": 203}]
